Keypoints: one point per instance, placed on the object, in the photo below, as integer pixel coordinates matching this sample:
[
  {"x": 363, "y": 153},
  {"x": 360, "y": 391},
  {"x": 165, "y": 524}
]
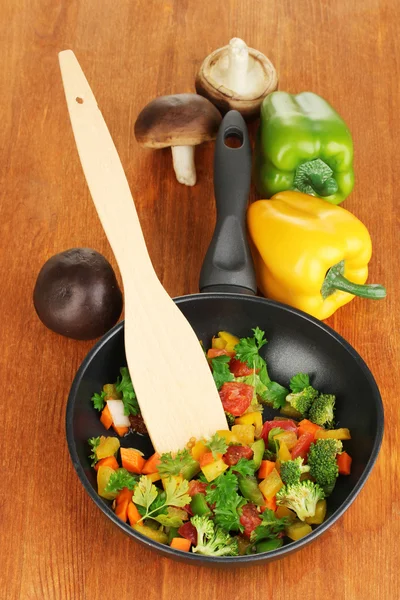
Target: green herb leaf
[
  {"x": 124, "y": 386},
  {"x": 99, "y": 400},
  {"x": 173, "y": 518},
  {"x": 244, "y": 467},
  {"x": 93, "y": 443},
  {"x": 170, "y": 465},
  {"x": 177, "y": 492},
  {"x": 276, "y": 394},
  {"x": 247, "y": 349},
  {"x": 220, "y": 370},
  {"x": 270, "y": 527},
  {"x": 217, "y": 445},
  {"x": 299, "y": 382},
  {"x": 145, "y": 493},
  {"x": 121, "y": 479},
  {"x": 223, "y": 493}
]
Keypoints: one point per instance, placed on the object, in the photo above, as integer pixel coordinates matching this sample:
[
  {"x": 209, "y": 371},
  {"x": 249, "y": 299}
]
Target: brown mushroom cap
[
  {"x": 178, "y": 120},
  {"x": 226, "y": 99}
]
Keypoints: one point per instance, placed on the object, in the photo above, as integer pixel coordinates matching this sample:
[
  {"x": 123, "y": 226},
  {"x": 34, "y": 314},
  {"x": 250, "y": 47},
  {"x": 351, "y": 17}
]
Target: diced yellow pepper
[
  {"x": 154, "y": 477},
  {"x": 320, "y": 513},
  {"x": 288, "y": 437},
  {"x": 177, "y": 478},
  {"x": 218, "y": 343},
  {"x": 336, "y": 434},
  {"x": 214, "y": 469},
  {"x": 284, "y": 511},
  {"x": 271, "y": 485},
  {"x": 154, "y": 534},
  {"x": 297, "y": 530},
  {"x": 230, "y": 339},
  {"x": 252, "y": 418},
  {"x": 103, "y": 477},
  {"x": 283, "y": 452},
  {"x": 228, "y": 436},
  {"x": 198, "y": 450},
  {"x": 108, "y": 447},
  {"x": 244, "y": 433}
]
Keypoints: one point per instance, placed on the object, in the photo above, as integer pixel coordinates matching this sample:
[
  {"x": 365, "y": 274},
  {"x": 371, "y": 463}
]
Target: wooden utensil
[{"x": 173, "y": 382}]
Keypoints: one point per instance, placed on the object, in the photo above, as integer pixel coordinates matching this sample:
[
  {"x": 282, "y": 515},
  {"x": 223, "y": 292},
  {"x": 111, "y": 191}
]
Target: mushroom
[
  {"x": 181, "y": 121},
  {"x": 237, "y": 77}
]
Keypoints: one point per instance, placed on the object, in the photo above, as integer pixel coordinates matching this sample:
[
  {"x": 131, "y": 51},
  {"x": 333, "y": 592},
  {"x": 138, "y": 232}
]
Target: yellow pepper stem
[{"x": 335, "y": 280}]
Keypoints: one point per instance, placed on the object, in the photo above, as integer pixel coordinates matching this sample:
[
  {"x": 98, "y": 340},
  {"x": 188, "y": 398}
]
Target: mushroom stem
[
  {"x": 183, "y": 160},
  {"x": 238, "y": 65}
]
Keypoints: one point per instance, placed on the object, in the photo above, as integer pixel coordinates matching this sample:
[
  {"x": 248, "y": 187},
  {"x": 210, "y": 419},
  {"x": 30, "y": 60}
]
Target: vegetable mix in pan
[{"x": 247, "y": 489}]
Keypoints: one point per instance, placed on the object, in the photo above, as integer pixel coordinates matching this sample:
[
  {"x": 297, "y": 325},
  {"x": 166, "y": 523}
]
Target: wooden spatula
[{"x": 173, "y": 382}]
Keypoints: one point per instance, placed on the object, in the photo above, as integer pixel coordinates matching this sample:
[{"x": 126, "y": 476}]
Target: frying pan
[{"x": 297, "y": 343}]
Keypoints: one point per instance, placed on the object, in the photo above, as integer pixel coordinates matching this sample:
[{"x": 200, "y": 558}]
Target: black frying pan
[{"x": 296, "y": 343}]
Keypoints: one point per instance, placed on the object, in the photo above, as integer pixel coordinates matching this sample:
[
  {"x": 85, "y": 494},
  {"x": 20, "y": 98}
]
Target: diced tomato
[
  {"x": 214, "y": 352},
  {"x": 235, "y": 453},
  {"x": 188, "y": 510},
  {"x": 197, "y": 487},
  {"x": 286, "y": 424},
  {"x": 188, "y": 531},
  {"x": 236, "y": 397},
  {"x": 249, "y": 518},
  {"x": 239, "y": 368},
  {"x": 303, "y": 446}
]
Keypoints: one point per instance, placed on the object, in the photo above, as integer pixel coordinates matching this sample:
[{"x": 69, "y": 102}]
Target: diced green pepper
[
  {"x": 249, "y": 487},
  {"x": 268, "y": 545},
  {"x": 258, "y": 448},
  {"x": 199, "y": 506}
]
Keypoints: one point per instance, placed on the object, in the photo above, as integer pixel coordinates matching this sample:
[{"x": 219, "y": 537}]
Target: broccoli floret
[
  {"x": 230, "y": 418},
  {"x": 301, "y": 497},
  {"x": 213, "y": 541},
  {"x": 291, "y": 470},
  {"x": 322, "y": 462},
  {"x": 302, "y": 401},
  {"x": 322, "y": 409}
]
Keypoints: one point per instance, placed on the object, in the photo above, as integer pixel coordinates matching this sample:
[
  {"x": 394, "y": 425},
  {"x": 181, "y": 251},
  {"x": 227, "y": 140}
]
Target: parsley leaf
[
  {"x": 99, "y": 400},
  {"x": 121, "y": 479},
  {"x": 220, "y": 370},
  {"x": 217, "y": 445},
  {"x": 223, "y": 494},
  {"x": 174, "y": 517},
  {"x": 276, "y": 394},
  {"x": 183, "y": 463},
  {"x": 155, "y": 503},
  {"x": 93, "y": 443},
  {"x": 124, "y": 386},
  {"x": 247, "y": 349},
  {"x": 299, "y": 382},
  {"x": 270, "y": 527},
  {"x": 244, "y": 467}
]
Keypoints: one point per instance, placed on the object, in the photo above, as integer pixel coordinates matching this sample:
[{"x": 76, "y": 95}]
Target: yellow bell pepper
[
  {"x": 252, "y": 418},
  {"x": 214, "y": 469},
  {"x": 244, "y": 434},
  {"x": 309, "y": 253}
]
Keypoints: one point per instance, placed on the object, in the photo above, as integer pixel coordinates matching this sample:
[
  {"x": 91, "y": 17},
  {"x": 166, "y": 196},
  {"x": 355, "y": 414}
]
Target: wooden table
[{"x": 55, "y": 544}]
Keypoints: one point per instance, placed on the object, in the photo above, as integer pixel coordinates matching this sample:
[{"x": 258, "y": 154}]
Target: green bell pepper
[
  {"x": 249, "y": 487},
  {"x": 304, "y": 145}
]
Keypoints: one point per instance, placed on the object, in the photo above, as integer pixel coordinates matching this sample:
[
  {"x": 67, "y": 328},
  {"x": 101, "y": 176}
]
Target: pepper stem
[
  {"x": 335, "y": 280},
  {"x": 314, "y": 177}
]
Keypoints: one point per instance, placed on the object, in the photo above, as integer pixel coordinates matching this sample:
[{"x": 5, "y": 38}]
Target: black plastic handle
[{"x": 228, "y": 265}]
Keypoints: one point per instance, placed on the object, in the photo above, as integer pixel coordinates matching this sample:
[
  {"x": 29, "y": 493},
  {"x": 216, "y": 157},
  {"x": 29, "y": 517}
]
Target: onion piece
[{"x": 116, "y": 408}]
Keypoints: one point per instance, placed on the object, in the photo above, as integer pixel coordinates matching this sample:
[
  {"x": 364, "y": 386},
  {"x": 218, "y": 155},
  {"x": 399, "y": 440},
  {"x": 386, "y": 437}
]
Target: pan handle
[{"x": 228, "y": 265}]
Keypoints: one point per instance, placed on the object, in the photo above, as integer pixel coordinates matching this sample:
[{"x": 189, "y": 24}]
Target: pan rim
[{"x": 234, "y": 561}]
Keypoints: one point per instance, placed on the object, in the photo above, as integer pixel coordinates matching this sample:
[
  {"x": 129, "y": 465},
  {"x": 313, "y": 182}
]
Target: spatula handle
[{"x": 228, "y": 265}]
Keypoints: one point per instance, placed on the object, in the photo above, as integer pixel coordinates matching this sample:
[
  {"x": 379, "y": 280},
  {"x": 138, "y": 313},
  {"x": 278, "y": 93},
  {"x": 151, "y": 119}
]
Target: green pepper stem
[
  {"x": 335, "y": 280},
  {"x": 372, "y": 291},
  {"x": 321, "y": 187}
]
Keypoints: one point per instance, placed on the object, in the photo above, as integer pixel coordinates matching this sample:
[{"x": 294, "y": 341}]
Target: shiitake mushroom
[{"x": 77, "y": 294}]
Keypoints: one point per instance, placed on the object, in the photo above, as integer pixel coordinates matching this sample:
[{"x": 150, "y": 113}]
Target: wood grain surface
[{"x": 55, "y": 544}]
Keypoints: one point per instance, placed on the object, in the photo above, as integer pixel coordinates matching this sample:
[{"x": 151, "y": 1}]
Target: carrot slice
[
  {"x": 109, "y": 461},
  {"x": 271, "y": 504},
  {"x": 134, "y": 515},
  {"x": 106, "y": 417},
  {"x": 206, "y": 459},
  {"x": 151, "y": 464},
  {"x": 121, "y": 510},
  {"x": 124, "y": 494},
  {"x": 344, "y": 463},
  {"x": 132, "y": 460},
  {"x": 266, "y": 467},
  {"x": 181, "y": 544}
]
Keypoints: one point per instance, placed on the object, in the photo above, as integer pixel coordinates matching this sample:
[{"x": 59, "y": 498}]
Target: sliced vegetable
[
  {"x": 110, "y": 461},
  {"x": 320, "y": 513},
  {"x": 258, "y": 448},
  {"x": 180, "y": 543},
  {"x": 236, "y": 397},
  {"x": 336, "y": 434},
  {"x": 103, "y": 477},
  {"x": 271, "y": 485},
  {"x": 266, "y": 467},
  {"x": 154, "y": 534},
  {"x": 106, "y": 417},
  {"x": 151, "y": 464},
  {"x": 213, "y": 469},
  {"x": 252, "y": 418},
  {"x": 302, "y": 446},
  {"x": 344, "y": 463},
  {"x": 297, "y": 530},
  {"x": 119, "y": 418},
  {"x": 244, "y": 433},
  {"x": 108, "y": 446},
  {"x": 132, "y": 460}
]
